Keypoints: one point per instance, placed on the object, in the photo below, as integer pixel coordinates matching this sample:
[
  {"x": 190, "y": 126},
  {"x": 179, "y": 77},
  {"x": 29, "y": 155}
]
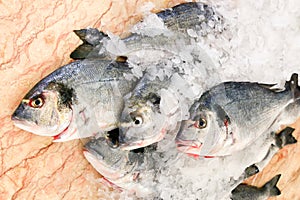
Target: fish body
[
  {"x": 76, "y": 100},
  {"x": 126, "y": 169},
  {"x": 248, "y": 192},
  {"x": 188, "y": 16},
  {"x": 172, "y": 27},
  {"x": 231, "y": 115}
]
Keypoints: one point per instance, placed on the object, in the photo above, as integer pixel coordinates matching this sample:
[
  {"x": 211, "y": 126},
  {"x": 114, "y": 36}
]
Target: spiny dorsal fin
[
  {"x": 91, "y": 38},
  {"x": 82, "y": 51}
]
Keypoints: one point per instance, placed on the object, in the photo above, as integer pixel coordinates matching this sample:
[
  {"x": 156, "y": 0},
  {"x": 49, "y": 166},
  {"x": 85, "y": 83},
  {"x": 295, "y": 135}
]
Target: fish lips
[
  {"x": 32, "y": 127},
  {"x": 131, "y": 144},
  {"x": 97, "y": 161},
  {"x": 190, "y": 147},
  {"x": 101, "y": 167}
]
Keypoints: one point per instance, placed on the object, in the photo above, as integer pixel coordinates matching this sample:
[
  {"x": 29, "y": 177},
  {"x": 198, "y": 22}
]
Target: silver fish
[
  {"x": 190, "y": 15},
  {"x": 141, "y": 122},
  {"x": 75, "y": 101},
  {"x": 248, "y": 192},
  {"x": 126, "y": 169},
  {"x": 176, "y": 22},
  {"x": 84, "y": 97},
  {"x": 231, "y": 115}
]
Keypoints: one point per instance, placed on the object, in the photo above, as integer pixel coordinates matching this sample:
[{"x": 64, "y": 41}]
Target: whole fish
[
  {"x": 76, "y": 100},
  {"x": 231, "y": 115},
  {"x": 248, "y": 192},
  {"x": 85, "y": 97},
  {"x": 126, "y": 169}
]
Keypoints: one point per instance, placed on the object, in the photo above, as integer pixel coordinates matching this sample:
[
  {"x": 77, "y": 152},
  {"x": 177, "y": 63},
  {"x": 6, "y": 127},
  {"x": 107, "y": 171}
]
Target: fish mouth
[
  {"x": 129, "y": 146},
  {"x": 38, "y": 130},
  {"x": 132, "y": 145},
  {"x": 189, "y": 147},
  {"x": 112, "y": 174},
  {"x": 33, "y": 128},
  {"x": 100, "y": 166}
]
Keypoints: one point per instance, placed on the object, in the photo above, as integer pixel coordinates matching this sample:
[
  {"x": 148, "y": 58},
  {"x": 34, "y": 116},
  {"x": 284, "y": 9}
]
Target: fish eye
[
  {"x": 202, "y": 123},
  {"x": 36, "y": 102},
  {"x": 137, "y": 120}
]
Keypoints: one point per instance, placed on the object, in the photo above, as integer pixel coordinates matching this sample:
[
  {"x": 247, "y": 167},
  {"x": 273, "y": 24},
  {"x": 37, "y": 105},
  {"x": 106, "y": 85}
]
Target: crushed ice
[{"x": 254, "y": 43}]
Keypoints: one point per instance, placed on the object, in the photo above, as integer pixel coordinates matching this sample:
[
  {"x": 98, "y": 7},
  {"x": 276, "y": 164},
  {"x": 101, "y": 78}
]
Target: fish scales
[
  {"x": 231, "y": 115},
  {"x": 188, "y": 15},
  {"x": 260, "y": 103},
  {"x": 95, "y": 100},
  {"x": 96, "y": 84}
]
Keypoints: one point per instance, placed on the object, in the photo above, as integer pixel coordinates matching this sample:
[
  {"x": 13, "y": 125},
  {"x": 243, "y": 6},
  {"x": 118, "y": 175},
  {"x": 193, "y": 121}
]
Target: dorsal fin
[{"x": 91, "y": 38}]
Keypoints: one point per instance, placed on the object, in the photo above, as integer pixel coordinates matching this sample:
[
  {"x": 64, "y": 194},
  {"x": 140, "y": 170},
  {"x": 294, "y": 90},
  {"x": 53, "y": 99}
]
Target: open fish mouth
[{"x": 189, "y": 147}]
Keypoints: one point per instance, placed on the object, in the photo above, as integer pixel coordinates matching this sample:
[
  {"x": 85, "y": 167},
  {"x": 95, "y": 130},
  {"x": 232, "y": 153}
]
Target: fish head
[
  {"x": 141, "y": 125},
  {"x": 45, "y": 110},
  {"x": 122, "y": 168},
  {"x": 203, "y": 133},
  {"x": 110, "y": 162}
]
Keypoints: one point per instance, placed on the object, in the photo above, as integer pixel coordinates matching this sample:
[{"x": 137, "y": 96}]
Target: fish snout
[{"x": 16, "y": 116}]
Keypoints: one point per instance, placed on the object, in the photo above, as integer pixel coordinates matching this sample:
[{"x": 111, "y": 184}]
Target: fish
[
  {"x": 125, "y": 169},
  {"x": 230, "y": 116},
  {"x": 189, "y": 15},
  {"x": 75, "y": 101},
  {"x": 248, "y": 192},
  {"x": 179, "y": 19},
  {"x": 85, "y": 97},
  {"x": 142, "y": 122}
]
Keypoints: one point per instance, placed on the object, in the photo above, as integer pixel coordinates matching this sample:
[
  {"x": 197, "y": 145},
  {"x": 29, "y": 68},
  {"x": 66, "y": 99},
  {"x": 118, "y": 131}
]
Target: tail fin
[
  {"x": 271, "y": 186},
  {"x": 292, "y": 84}
]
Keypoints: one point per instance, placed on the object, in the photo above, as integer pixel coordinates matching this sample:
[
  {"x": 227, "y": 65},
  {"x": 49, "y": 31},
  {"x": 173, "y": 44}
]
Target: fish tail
[
  {"x": 271, "y": 186},
  {"x": 292, "y": 84}
]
